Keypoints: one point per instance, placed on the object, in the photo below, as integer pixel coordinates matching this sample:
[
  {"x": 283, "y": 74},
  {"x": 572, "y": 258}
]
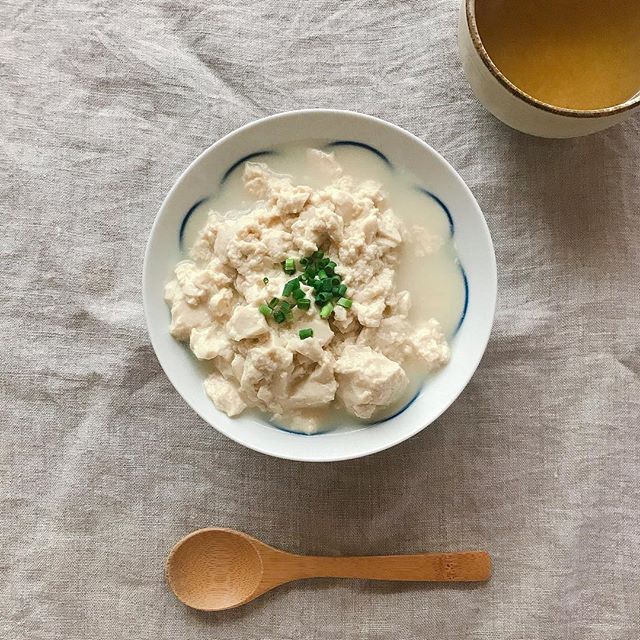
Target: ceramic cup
[{"x": 517, "y": 108}]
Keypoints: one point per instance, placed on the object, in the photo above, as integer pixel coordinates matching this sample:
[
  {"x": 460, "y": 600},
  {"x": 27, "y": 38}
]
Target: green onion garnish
[
  {"x": 318, "y": 272},
  {"x": 290, "y": 287},
  {"x": 326, "y": 311},
  {"x": 289, "y": 265},
  {"x": 305, "y": 333}
]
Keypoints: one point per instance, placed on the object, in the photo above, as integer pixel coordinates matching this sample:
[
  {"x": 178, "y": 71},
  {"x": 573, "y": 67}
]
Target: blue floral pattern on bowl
[{"x": 383, "y": 157}]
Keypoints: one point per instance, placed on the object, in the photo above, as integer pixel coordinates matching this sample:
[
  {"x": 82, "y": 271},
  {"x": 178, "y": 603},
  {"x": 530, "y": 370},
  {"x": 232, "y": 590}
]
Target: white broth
[{"x": 435, "y": 281}]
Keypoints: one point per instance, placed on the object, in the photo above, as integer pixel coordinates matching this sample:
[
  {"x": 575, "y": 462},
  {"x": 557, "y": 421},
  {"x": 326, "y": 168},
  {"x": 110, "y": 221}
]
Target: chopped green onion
[
  {"x": 305, "y": 333},
  {"x": 316, "y": 271},
  {"x": 290, "y": 287},
  {"x": 289, "y": 265},
  {"x": 326, "y": 311}
]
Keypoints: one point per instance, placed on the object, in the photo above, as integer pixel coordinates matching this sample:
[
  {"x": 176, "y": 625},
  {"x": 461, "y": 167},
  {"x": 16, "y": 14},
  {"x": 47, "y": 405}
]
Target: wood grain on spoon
[{"x": 214, "y": 569}]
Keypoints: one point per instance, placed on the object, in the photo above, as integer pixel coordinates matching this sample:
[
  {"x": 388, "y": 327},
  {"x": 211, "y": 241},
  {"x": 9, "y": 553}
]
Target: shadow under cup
[{"x": 553, "y": 41}]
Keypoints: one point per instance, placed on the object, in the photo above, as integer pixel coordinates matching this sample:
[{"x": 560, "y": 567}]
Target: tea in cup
[{"x": 553, "y": 68}]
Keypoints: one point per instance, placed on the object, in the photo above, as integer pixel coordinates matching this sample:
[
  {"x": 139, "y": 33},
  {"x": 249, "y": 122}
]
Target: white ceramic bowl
[{"x": 471, "y": 237}]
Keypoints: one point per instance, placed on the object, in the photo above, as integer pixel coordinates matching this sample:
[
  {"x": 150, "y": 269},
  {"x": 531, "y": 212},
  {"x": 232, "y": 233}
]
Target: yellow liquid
[{"x": 577, "y": 54}]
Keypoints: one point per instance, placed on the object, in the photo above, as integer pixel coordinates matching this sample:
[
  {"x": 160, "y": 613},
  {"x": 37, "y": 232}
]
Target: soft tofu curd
[{"x": 302, "y": 366}]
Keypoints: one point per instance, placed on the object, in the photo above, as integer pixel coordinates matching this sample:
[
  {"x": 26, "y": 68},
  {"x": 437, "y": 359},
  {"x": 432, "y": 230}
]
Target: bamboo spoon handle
[{"x": 466, "y": 566}]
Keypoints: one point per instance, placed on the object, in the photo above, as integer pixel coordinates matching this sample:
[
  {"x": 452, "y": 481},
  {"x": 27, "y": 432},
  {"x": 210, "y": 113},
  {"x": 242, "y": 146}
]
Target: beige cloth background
[{"x": 104, "y": 467}]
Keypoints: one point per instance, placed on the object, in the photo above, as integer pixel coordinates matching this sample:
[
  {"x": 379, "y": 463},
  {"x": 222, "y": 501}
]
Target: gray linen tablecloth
[{"x": 104, "y": 466}]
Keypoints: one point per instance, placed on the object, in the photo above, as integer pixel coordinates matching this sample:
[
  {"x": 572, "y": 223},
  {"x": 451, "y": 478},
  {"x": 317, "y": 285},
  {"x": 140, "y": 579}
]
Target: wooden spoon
[{"x": 215, "y": 569}]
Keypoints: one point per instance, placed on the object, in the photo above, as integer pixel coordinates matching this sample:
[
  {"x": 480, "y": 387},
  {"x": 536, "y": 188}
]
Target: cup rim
[{"x": 472, "y": 26}]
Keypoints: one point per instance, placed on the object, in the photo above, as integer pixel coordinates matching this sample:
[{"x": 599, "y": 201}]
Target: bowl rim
[
  {"x": 476, "y": 39},
  {"x": 473, "y": 364}
]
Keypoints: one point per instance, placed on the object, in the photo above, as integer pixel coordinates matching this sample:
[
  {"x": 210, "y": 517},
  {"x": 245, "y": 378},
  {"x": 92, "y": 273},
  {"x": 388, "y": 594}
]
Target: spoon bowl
[{"x": 215, "y": 569}]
